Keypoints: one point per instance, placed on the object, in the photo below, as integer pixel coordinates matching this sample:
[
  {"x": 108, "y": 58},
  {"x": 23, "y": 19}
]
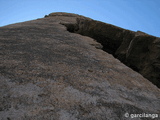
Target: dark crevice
[
  {"x": 120, "y": 43},
  {"x": 108, "y": 46}
]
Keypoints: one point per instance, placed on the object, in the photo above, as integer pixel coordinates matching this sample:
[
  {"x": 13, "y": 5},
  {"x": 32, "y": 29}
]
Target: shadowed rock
[
  {"x": 137, "y": 50},
  {"x": 48, "y": 73}
]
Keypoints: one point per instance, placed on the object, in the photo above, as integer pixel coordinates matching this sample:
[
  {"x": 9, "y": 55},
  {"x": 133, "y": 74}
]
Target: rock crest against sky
[
  {"x": 137, "y": 50},
  {"x": 49, "y": 73}
]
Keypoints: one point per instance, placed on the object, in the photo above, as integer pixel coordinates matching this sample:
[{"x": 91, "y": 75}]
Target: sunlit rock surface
[{"x": 49, "y": 73}]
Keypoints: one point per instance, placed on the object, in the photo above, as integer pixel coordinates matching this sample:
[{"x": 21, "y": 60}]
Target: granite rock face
[
  {"x": 137, "y": 50},
  {"x": 49, "y": 73}
]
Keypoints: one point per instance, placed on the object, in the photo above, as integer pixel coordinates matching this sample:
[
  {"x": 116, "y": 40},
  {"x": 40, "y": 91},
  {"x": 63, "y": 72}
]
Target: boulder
[{"x": 49, "y": 73}]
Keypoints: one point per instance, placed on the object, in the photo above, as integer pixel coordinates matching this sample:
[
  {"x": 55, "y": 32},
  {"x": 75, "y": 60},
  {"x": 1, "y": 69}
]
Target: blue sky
[{"x": 143, "y": 15}]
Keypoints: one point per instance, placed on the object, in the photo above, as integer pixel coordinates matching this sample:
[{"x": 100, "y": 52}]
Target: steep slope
[
  {"x": 137, "y": 50},
  {"x": 48, "y": 73}
]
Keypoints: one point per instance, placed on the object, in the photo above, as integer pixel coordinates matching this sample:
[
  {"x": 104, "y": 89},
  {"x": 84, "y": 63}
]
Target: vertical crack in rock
[{"x": 138, "y": 50}]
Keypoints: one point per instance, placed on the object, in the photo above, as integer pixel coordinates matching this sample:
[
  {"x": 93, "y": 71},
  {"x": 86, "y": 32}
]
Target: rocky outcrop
[
  {"x": 48, "y": 73},
  {"x": 137, "y": 50}
]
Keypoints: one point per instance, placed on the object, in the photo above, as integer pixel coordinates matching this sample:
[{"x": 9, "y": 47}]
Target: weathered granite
[
  {"x": 48, "y": 73},
  {"x": 137, "y": 50}
]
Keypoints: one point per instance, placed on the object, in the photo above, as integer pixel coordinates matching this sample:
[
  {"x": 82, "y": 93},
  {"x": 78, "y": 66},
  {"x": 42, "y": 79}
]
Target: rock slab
[
  {"x": 137, "y": 50},
  {"x": 48, "y": 73}
]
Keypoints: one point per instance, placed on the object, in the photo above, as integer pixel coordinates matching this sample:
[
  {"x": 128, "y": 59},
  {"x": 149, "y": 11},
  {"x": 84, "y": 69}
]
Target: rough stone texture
[
  {"x": 48, "y": 73},
  {"x": 143, "y": 55},
  {"x": 137, "y": 50}
]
